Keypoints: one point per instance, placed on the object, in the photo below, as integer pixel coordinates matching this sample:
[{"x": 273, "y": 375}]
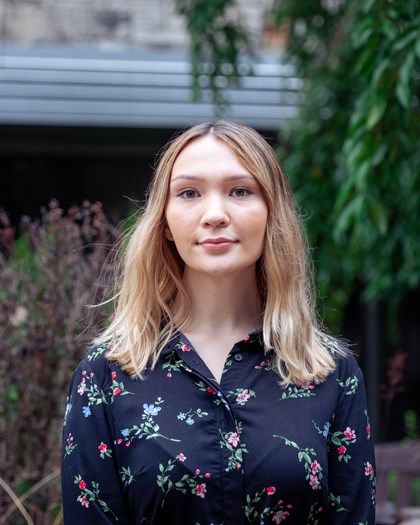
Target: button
[{"x": 237, "y": 357}]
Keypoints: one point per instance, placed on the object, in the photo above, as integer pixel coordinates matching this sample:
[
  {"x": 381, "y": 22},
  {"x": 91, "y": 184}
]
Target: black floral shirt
[{"x": 178, "y": 448}]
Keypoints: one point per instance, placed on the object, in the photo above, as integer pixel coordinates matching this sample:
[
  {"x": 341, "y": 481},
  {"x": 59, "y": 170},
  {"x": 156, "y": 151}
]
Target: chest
[{"x": 181, "y": 435}]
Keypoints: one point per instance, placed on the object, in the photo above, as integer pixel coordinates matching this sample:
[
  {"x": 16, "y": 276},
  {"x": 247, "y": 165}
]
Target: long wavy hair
[{"x": 150, "y": 276}]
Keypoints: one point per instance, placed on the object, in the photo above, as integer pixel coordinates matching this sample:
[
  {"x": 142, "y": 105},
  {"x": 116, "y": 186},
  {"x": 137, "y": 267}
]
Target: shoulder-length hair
[{"x": 145, "y": 319}]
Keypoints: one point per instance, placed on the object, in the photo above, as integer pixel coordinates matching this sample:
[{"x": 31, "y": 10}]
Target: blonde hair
[{"x": 145, "y": 319}]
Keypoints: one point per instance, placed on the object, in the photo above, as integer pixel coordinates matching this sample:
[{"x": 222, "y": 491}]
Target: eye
[
  {"x": 241, "y": 192},
  {"x": 188, "y": 194}
]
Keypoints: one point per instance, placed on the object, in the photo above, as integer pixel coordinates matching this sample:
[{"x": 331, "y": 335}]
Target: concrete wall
[{"x": 110, "y": 24}]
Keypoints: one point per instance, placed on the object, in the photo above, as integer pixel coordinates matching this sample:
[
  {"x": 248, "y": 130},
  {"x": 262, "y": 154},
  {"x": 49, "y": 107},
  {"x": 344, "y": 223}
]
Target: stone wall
[{"x": 109, "y": 24}]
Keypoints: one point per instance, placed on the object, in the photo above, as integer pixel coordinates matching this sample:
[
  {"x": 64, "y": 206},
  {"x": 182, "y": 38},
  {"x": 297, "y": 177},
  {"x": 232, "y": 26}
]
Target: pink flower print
[
  {"x": 113, "y": 375},
  {"x": 102, "y": 447},
  {"x": 368, "y": 469},
  {"x": 84, "y": 373},
  {"x": 315, "y": 466},
  {"x": 368, "y": 430},
  {"x": 82, "y": 387},
  {"x": 181, "y": 457},
  {"x": 84, "y": 501},
  {"x": 211, "y": 390},
  {"x": 307, "y": 386},
  {"x": 185, "y": 348},
  {"x": 116, "y": 391},
  {"x": 169, "y": 375},
  {"x": 82, "y": 484},
  {"x": 198, "y": 472},
  {"x": 243, "y": 397},
  {"x": 233, "y": 439},
  {"x": 279, "y": 516},
  {"x": 314, "y": 482},
  {"x": 201, "y": 490},
  {"x": 270, "y": 490},
  {"x": 207, "y": 475},
  {"x": 349, "y": 433},
  {"x": 341, "y": 450}
]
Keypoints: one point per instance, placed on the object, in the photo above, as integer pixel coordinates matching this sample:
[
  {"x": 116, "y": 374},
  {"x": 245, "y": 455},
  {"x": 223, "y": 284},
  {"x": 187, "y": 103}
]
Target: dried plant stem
[
  {"x": 16, "y": 501},
  {"x": 29, "y": 492},
  {"x": 59, "y": 518}
]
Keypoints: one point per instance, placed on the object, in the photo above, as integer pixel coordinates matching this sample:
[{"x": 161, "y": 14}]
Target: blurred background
[{"x": 89, "y": 94}]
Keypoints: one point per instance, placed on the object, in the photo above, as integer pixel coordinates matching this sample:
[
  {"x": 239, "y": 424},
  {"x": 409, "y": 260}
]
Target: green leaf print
[{"x": 351, "y": 384}]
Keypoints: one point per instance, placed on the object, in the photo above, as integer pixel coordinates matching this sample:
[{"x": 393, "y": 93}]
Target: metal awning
[{"x": 140, "y": 89}]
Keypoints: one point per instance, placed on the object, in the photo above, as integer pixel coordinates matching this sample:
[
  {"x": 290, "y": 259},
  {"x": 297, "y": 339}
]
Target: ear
[{"x": 168, "y": 234}]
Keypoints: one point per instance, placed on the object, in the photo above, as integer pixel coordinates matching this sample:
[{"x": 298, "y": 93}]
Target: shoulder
[
  {"x": 347, "y": 369},
  {"x": 95, "y": 364}
]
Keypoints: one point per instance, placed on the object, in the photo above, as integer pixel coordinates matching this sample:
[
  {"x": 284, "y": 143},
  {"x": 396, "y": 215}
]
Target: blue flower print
[
  {"x": 86, "y": 411},
  {"x": 190, "y": 421},
  {"x": 151, "y": 410},
  {"x": 125, "y": 432},
  {"x": 327, "y": 425}
]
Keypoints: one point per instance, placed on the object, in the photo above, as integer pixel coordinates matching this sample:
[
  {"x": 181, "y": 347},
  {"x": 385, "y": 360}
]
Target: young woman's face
[{"x": 216, "y": 213}]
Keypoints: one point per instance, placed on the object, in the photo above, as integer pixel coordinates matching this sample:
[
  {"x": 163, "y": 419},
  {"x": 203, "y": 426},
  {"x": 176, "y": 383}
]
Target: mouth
[{"x": 219, "y": 243}]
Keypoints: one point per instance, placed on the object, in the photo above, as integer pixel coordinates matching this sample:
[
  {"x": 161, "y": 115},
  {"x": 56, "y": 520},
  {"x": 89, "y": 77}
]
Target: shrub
[{"x": 50, "y": 268}]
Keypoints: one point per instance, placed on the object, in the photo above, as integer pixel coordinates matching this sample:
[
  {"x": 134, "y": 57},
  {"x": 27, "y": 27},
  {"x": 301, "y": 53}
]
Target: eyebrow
[{"x": 244, "y": 176}]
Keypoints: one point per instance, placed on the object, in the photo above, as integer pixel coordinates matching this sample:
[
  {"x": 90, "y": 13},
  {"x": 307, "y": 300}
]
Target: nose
[{"x": 215, "y": 211}]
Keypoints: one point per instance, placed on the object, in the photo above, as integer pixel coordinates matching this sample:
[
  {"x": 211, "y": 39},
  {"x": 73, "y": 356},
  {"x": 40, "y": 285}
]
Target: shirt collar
[{"x": 178, "y": 337}]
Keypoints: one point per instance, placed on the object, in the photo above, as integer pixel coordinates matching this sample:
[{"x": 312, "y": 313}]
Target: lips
[
  {"x": 218, "y": 240},
  {"x": 219, "y": 243}
]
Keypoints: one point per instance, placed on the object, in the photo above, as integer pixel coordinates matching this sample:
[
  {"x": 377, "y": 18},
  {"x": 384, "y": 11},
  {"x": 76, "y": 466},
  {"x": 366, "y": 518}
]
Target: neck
[{"x": 223, "y": 304}]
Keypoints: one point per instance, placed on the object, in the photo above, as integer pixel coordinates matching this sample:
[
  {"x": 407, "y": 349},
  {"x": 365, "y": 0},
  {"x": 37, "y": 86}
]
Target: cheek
[
  {"x": 172, "y": 217},
  {"x": 178, "y": 224},
  {"x": 256, "y": 222}
]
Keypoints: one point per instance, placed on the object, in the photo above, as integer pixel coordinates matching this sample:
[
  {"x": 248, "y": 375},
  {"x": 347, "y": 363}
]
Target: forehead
[{"x": 207, "y": 151}]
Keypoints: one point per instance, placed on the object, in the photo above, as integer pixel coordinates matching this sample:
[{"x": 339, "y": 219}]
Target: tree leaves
[{"x": 353, "y": 153}]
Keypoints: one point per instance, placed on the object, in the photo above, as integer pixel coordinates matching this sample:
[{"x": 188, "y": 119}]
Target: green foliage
[
  {"x": 411, "y": 426},
  {"x": 354, "y": 157},
  {"x": 217, "y": 43},
  {"x": 353, "y": 153}
]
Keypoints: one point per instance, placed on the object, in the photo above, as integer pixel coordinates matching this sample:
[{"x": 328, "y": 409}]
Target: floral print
[
  {"x": 180, "y": 448},
  {"x": 148, "y": 429},
  {"x": 232, "y": 442},
  {"x": 312, "y": 468},
  {"x": 69, "y": 445},
  {"x": 299, "y": 391},
  {"x": 87, "y": 495},
  {"x": 278, "y": 511},
  {"x": 188, "y": 482}
]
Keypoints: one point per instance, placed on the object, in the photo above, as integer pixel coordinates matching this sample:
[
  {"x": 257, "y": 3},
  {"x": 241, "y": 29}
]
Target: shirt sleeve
[
  {"x": 351, "y": 453},
  {"x": 92, "y": 489}
]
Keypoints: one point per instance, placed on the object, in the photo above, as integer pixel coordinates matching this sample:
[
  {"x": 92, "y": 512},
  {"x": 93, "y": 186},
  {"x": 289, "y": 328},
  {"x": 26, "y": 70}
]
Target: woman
[{"x": 213, "y": 397}]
